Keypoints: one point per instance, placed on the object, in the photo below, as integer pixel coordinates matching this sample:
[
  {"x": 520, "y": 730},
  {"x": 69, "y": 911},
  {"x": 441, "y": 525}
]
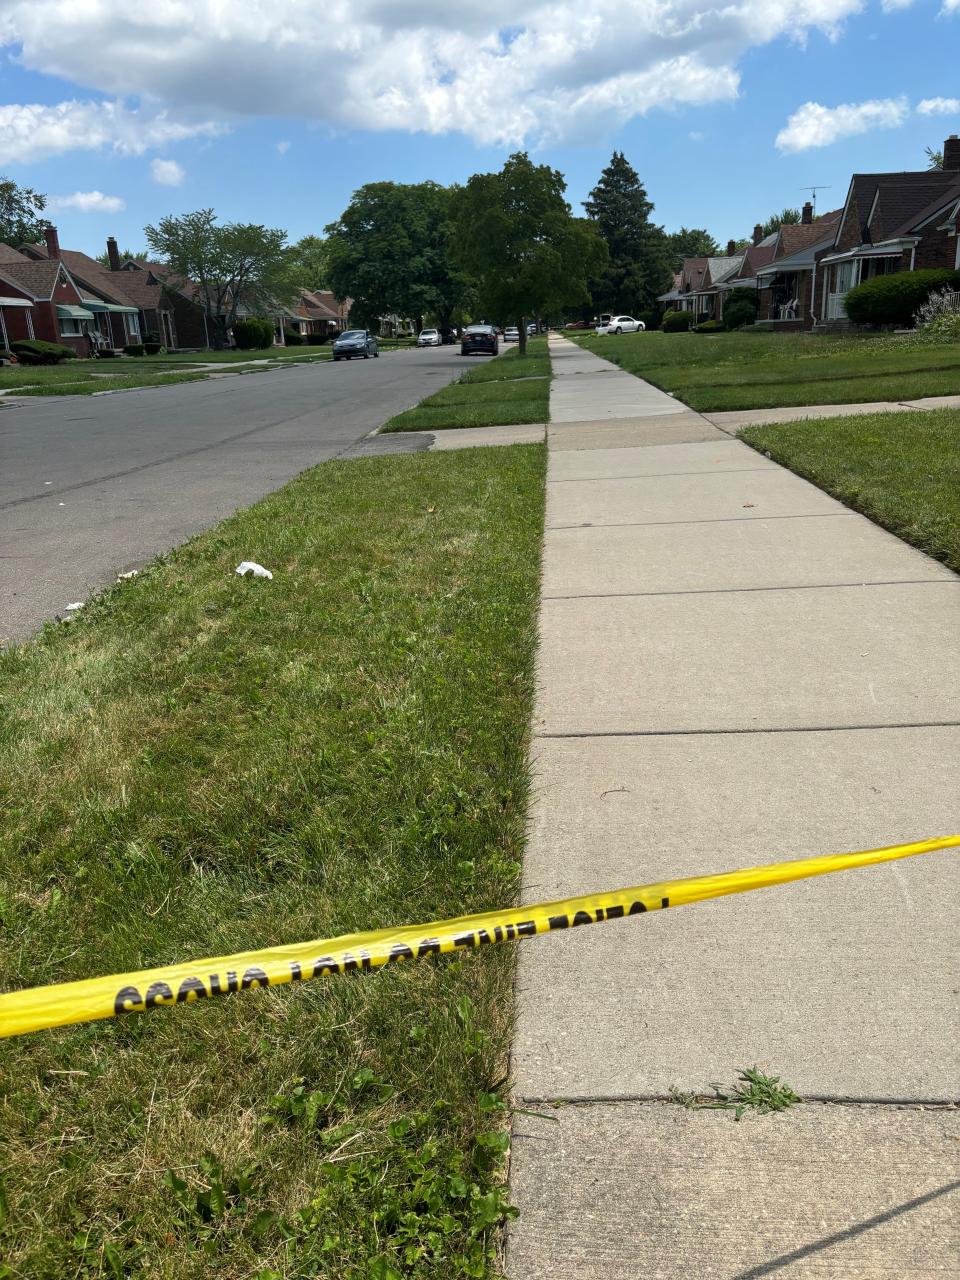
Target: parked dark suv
[{"x": 479, "y": 339}]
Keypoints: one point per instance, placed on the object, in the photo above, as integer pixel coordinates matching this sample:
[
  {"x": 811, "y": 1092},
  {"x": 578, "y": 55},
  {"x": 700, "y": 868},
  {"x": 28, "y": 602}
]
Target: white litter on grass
[
  {"x": 70, "y": 608},
  {"x": 122, "y": 577},
  {"x": 251, "y": 566}
]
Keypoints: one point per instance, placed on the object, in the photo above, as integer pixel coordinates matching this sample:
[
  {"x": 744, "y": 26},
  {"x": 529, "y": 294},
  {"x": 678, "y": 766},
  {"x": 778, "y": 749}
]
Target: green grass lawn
[
  {"x": 760, "y": 371},
  {"x": 89, "y": 386},
  {"x": 501, "y": 392},
  {"x": 900, "y": 469},
  {"x": 202, "y": 763}
]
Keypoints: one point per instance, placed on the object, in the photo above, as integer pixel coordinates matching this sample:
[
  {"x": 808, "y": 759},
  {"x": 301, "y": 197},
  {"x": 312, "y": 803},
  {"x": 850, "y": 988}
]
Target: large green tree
[
  {"x": 691, "y": 242},
  {"x": 785, "y": 218},
  {"x": 309, "y": 262},
  {"x": 640, "y": 256},
  {"x": 231, "y": 268},
  {"x": 513, "y": 231},
  {"x": 389, "y": 253},
  {"x": 21, "y": 214}
]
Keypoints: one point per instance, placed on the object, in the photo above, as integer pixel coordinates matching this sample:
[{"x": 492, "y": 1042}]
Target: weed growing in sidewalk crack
[{"x": 754, "y": 1090}]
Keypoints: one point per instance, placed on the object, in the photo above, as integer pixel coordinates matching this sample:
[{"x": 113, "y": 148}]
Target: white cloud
[
  {"x": 567, "y": 69},
  {"x": 813, "y": 125},
  {"x": 168, "y": 173},
  {"x": 939, "y": 107},
  {"x": 695, "y": 135},
  {"x": 37, "y": 131},
  {"x": 87, "y": 202},
  {"x": 283, "y": 147}
]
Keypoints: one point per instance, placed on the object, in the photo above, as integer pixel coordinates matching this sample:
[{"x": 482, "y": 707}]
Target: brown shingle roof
[
  {"x": 38, "y": 278},
  {"x": 9, "y": 254},
  {"x": 901, "y": 198},
  {"x": 100, "y": 279}
]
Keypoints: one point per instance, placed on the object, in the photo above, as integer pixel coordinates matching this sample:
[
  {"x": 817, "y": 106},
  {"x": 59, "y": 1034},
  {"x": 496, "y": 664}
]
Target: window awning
[
  {"x": 95, "y": 304},
  {"x": 15, "y": 302},
  {"x": 66, "y": 311}
]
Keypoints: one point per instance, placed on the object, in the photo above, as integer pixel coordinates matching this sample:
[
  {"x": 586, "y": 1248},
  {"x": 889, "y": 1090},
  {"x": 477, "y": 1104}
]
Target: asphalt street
[{"x": 95, "y": 486}]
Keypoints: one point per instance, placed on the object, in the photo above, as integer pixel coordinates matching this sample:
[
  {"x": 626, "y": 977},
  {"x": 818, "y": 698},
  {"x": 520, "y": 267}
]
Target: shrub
[
  {"x": 675, "y": 322},
  {"x": 292, "y": 338},
  {"x": 6, "y": 355},
  {"x": 741, "y": 294},
  {"x": 650, "y": 318},
  {"x": 938, "y": 320},
  {"x": 737, "y": 314},
  {"x": 249, "y": 334},
  {"x": 710, "y": 326},
  {"x": 152, "y": 348},
  {"x": 895, "y": 299},
  {"x": 134, "y": 349},
  {"x": 36, "y": 352}
]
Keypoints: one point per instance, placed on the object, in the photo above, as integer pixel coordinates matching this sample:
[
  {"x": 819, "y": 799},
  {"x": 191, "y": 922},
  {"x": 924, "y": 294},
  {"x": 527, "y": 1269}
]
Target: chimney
[
  {"x": 757, "y": 233},
  {"x": 806, "y": 215},
  {"x": 951, "y": 153},
  {"x": 113, "y": 254},
  {"x": 731, "y": 248},
  {"x": 53, "y": 242}
]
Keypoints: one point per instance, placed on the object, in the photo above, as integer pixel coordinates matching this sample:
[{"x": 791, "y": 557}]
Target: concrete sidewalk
[{"x": 734, "y": 669}]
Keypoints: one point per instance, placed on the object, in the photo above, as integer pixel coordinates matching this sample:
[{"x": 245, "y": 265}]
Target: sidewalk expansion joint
[
  {"x": 726, "y": 591},
  {"x": 637, "y": 524},
  {"x": 661, "y": 475},
  {"x": 812, "y": 1099},
  {"x": 787, "y": 728}
]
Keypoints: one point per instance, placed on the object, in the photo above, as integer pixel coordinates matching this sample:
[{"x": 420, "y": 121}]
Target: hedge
[
  {"x": 710, "y": 326},
  {"x": 675, "y": 321},
  {"x": 37, "y": 352},
  {"x": 253, "y": 334},
  {"x": 737, "y": 314},
  {"x": 895, "y": 299}
]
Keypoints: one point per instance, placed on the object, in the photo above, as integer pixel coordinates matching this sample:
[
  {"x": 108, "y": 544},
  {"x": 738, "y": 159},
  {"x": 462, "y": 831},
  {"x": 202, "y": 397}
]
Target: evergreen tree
[{"x": 639, "y": 266}]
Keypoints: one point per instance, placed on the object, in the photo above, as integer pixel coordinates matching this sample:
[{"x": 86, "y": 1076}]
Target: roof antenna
[{"x": 815, "y": 190}]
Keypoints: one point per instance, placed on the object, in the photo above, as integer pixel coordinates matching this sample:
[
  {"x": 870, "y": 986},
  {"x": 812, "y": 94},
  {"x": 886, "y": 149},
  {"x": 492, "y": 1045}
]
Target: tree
[
  {"x": 309, "y": 262},
  {"x": 514, "y": 232},
  {"x": 389, "y": 252},
  {"x": 640, "y": 256},
  {"x": 691, "y": 243},
  {"x": 20, "y": 214},
  {"x": 230, "y": 267},
  {"x": 785, "y": 218},
  {"x": 934, "y": 157}
]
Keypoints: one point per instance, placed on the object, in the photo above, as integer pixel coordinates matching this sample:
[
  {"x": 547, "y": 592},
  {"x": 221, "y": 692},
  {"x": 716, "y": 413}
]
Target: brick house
[
  {"x": 174, "y": 313},
  {"x": 890, "y": 222},
  {"x": 686, "y": 284},
  {"x": 56, "y": 310},
  {"x": 785, "y": 281},
  {"x": 317, "y": 313},
  {"x": 117, "y": 320},
  {"x": 707, "y": 298}
]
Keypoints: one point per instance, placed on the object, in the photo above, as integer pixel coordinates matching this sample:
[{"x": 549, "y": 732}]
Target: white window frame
[{"x": 131, "y": 326}]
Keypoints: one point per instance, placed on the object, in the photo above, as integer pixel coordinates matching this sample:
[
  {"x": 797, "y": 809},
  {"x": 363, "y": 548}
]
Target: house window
[
  {"x": 70, "y": 328},
  {"x": 131, "y": 324}
]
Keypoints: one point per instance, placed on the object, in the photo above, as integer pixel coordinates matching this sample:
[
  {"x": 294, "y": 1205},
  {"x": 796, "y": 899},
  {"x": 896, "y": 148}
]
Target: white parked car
[
  {"x": 511, "y": 334},
  {"x": 620, "y": 324},
  {"x": 429, "y": 338}
]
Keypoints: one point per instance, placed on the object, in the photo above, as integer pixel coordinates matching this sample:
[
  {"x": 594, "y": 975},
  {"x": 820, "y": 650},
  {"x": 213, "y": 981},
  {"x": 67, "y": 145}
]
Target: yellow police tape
[{"x": 92, "y": 998}]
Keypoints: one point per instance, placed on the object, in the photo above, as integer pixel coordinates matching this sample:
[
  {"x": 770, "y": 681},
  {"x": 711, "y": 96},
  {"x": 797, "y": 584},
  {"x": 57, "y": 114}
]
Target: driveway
[{"x": 94, "y": 486}]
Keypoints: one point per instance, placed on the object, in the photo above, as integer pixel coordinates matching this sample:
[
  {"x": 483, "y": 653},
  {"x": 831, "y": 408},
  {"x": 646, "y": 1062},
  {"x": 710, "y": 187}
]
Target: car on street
[
  {"x": 479, "y": 339},
  {"x": 429, "y": 338},
  {"x": 448, "y": 337},
  {"x": 578, "y": 324},
  {"x": 531, "y": 328},
  {"x": 511, "y": 334},
  {"x": 620, "y": 324},
  {"x": 356, "y": 342}
]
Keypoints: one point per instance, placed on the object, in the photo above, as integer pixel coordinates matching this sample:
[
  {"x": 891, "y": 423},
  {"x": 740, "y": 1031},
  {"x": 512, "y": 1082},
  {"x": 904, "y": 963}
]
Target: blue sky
[{"x": 276, "y": 110}]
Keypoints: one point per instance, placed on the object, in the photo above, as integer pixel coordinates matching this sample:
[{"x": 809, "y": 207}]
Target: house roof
[
  {"x": 720, "y": 269},
  {"x": 9, "y": 254},
  {"x": 802, "y": 260},
  {"x": 691, "y": 272},
  {"x": 898, "y": 197},
  {"x": 100, "y": 279},
  {"x": 941, "y": 202},
  {"x": 803, "y": 234},
  {"x": 39, "y": 279}
]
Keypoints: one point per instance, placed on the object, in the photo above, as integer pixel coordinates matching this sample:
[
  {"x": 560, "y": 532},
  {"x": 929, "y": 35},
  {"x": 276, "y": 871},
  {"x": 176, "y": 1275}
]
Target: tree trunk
[
  {"x": 216, "y": 331},
  {"x": 522, "y": 330}
]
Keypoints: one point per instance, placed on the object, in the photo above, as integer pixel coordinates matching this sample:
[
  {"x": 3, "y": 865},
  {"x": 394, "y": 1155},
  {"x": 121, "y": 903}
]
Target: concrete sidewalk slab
[
  {"x": 478, "y": 437},
  {"x": 652, "y": 460},
  {"x": 777, "y": 659},
  {"x": 751, "y": 494},
  {"x": 613, "y": 395},
  {"x": 934, "y": 402},
  {"x": 629, "y": 433},
  {"x": 846, "y": 984},
  {"x": 726, "y": 555},
  {"x": 646, "y": 1192}
]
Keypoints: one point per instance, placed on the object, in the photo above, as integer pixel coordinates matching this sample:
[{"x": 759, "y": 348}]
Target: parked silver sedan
[{"x": 356, "y": 342}]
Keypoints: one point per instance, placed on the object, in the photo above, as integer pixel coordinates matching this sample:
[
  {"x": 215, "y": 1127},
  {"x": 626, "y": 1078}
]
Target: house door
[{"x": 844, "y": 278}]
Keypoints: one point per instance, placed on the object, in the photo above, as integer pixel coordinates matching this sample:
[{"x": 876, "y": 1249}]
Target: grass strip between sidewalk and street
[
  {"x": 124, "y": 382},
  {"x": 202, "y": 763},
  {"x": 900, "y": 469},
  {"x": 505, "y": 391},
  {"x": 746, "y": 370}
]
